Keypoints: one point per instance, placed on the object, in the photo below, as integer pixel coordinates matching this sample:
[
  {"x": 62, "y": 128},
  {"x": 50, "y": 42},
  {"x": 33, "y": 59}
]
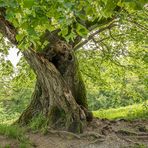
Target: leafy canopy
[{"x": 72, "y": 17}]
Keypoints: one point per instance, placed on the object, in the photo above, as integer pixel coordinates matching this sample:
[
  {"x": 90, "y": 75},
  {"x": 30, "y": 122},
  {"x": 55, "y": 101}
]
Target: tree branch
[
  {"x": 90, "y": 37},
  {"x": 6, "y": 28},
  {"x": 118, "y": 35},
  {"x": 130, "y": 19},
  {"x": 99, "y": 23},
  {"x": 138, "y": 25},
  {"x": 91, "y": 26}
]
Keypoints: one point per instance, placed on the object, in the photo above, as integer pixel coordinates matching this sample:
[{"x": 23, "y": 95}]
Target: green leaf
[
  {"x": 28, "y": 3},
  {"x": 19, "y": 37},
  {"x": 132, "y": 5},
  {"x": 109, "y": 8},
  {"x": 64, "y": 31},
  {"x": 81, "y": 30}
]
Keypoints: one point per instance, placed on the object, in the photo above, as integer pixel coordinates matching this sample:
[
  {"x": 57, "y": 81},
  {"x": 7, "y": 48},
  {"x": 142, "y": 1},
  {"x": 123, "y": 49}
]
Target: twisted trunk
[{"x": 59, "y": 93}]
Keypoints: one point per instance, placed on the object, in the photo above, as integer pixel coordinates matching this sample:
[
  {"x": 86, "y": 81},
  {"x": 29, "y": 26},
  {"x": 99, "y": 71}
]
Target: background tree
[{"x": 48, "y": 33}]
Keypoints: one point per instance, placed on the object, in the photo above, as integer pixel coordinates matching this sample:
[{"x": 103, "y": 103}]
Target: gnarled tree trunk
[{"x": 59, "y": 92}]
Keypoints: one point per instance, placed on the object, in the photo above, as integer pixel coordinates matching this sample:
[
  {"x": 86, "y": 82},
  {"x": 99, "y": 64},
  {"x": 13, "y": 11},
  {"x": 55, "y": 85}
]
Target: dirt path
[{"x": 99, "y": 134}]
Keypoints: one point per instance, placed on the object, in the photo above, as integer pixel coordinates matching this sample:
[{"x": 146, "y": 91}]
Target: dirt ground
[{"x": 99, "y": 134}]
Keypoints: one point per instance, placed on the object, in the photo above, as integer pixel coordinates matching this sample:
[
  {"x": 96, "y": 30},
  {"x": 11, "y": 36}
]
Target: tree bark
[
  {"x": 59, "y": 93},
  {"x": 72, "y": 76}
]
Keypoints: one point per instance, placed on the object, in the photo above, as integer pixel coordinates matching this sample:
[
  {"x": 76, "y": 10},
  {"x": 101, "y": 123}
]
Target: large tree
[{"x": 48, "y": 33}]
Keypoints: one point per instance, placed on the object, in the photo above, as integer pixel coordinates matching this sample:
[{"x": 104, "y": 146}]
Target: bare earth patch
[{"x": 99, "y": 134}]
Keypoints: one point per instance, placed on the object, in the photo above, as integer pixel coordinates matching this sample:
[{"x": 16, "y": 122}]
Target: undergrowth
[{"x": 38, "y": 123}]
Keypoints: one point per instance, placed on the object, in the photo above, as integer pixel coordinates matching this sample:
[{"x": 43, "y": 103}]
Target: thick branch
[
  {"x": 99, "y": 23},
  {"x": 91, "y": 26},
  {"x": 6, "y": 28},
  {"x": 93, "y": 34},
  {"x": 114, "y": 38}
]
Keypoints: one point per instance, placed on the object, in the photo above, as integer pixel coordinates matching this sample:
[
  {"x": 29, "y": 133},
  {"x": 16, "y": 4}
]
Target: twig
[
  {"x": 139, "y": 25},
  {"x": 112, "y": 35},
  {"x": 136, "y": 23}
]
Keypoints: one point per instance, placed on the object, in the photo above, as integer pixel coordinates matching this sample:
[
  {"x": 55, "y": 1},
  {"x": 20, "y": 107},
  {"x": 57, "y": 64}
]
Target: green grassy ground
[
  {"x": 9, "y": 114},
  {"x": 136, "y": 111},
  {"x": 15, "y": 132}
]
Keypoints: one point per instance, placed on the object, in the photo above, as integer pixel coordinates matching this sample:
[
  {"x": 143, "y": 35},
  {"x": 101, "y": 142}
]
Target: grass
[
  {"x": 8, "y": 114},
  {"x": 131, "y": 112},
  {"x": 38, "y": 123},
  {"x": 15, "y": 132}
]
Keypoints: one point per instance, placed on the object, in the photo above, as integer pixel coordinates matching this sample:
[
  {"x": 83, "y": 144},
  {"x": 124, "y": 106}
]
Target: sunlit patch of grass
[{"x": 131, "y": 112}]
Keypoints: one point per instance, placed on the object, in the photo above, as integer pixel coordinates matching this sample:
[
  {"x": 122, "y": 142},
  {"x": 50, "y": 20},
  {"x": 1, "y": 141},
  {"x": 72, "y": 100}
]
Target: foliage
[
  {"x": 38, "y": 123},
  {"x": 32, "y": 18},
  {"x": 16, "y": 89},
  {"x": 117, "y": 81}
]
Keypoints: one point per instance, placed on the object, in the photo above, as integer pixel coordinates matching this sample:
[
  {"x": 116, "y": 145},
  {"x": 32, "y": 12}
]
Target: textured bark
[
  {"x": 34, "y": 107},
  {"x": 62, "y": 56},
  {"x": 53, "y": 97},
  {"x": 71, "y": 74}
]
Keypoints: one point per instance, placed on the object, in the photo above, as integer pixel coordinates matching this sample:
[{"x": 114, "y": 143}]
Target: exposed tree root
[
  {"x": 126, "y": 133},
  {"x": 97, "y": 141},
  {"x": 64, "y": 134},
  {"x": 141, "y": 137},
  {"x": 69, "y": 135},
  {"x": 128, "y": 140},
  {"x": 92, "y": 134},
  {"x": 142, "y": 134},
  {"x": 132, "y": 134}
]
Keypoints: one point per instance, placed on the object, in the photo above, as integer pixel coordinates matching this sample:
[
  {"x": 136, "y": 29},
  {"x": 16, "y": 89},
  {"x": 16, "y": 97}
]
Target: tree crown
[{"x": 23, "y": 22}]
